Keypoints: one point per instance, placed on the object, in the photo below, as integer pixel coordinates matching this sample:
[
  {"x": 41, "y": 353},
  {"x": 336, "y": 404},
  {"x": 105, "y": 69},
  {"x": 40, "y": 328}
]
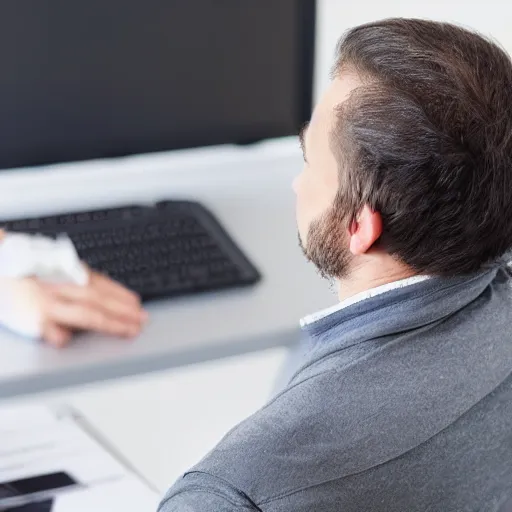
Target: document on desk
[{"x": 50, "y": 463}]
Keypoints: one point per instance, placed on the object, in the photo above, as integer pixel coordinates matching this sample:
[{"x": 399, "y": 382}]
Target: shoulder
[
  {"x": 334, "y": 424},
  {"x": 292, "y": 442}
]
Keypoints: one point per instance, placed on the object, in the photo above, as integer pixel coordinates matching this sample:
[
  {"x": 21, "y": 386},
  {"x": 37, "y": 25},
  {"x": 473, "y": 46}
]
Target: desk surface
[
  {"x": 161, "y": 430},
  {"x": 248, "y": 189}
]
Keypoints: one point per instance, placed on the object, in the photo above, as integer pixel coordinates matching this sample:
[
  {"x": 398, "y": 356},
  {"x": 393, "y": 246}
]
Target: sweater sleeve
[{"x": 201, "y": 492}]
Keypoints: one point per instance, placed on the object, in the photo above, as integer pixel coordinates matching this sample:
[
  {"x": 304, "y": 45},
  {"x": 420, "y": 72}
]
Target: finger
[
  {"x": 56, "y": 335},
  {"x": 104, "y": 300},
  {"x": 78, "y": 315},
  {"x": 108, "y": 286}
]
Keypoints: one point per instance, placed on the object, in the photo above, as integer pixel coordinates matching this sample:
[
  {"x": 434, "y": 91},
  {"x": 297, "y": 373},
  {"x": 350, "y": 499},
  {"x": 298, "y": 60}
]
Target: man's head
[{"x": 409, "y": 153}]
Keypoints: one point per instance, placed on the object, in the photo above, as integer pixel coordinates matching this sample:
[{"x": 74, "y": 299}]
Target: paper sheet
[{"x": 49, "y": 461}]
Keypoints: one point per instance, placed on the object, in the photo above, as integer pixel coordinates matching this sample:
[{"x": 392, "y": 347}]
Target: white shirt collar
[{"x": 359, "y": 297}]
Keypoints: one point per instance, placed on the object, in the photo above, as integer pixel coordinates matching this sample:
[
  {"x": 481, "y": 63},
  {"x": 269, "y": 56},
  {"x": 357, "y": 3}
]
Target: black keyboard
[{"x": 169, "y": 249}]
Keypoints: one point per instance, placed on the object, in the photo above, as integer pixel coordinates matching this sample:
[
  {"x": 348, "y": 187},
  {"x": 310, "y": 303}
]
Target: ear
[{"x": 365, "y": 231}]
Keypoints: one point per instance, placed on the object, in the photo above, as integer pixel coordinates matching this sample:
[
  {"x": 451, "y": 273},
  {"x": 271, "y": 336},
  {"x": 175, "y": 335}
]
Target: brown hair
[{"x": 427, "y": 142}]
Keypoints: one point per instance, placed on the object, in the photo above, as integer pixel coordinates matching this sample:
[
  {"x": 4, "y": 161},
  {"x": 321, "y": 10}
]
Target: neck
[{"x": 371, "y": 273}]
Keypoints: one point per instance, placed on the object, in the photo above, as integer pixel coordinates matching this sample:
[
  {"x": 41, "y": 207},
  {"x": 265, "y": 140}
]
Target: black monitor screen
[{"x": 105, "y": 78}]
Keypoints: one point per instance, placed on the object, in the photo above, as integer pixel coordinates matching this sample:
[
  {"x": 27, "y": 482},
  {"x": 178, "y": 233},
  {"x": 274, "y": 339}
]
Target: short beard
[{"x": 327, "y": 245}]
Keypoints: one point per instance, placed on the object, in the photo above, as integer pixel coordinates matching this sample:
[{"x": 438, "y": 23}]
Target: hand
[
  {"x": 57, "y": 310},
  {"x": 102, "y": 306}
]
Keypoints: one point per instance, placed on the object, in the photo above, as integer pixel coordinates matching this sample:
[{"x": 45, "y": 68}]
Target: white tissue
[{"x": 37, "y": 256}]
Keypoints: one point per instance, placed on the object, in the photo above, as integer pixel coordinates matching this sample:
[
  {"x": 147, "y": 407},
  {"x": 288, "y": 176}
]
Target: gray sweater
[{"x": 401, "y": 403}]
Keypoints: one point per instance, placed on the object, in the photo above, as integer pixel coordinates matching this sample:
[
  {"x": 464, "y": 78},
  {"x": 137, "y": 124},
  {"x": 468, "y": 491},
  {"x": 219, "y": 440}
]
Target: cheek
[
  {"x": 302, "y": 201},
  {"x": 314, "y": 198}
]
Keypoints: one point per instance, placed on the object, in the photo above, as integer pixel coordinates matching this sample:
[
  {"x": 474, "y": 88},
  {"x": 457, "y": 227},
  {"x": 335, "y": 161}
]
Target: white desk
[
  {"x": 248, "y": 189},
  {"x": 162, "y": 424}
]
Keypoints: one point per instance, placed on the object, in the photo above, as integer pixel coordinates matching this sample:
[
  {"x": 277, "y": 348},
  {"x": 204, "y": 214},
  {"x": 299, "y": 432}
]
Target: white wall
[{"x": 490, "y": 17}]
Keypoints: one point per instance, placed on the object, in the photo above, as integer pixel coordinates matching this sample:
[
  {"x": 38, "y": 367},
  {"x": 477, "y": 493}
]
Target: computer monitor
[{"x": 105, "y": 78}]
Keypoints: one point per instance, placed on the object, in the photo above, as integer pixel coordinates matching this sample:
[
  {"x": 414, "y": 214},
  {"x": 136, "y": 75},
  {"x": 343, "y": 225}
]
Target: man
[{"x": 403, "y": 397}]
